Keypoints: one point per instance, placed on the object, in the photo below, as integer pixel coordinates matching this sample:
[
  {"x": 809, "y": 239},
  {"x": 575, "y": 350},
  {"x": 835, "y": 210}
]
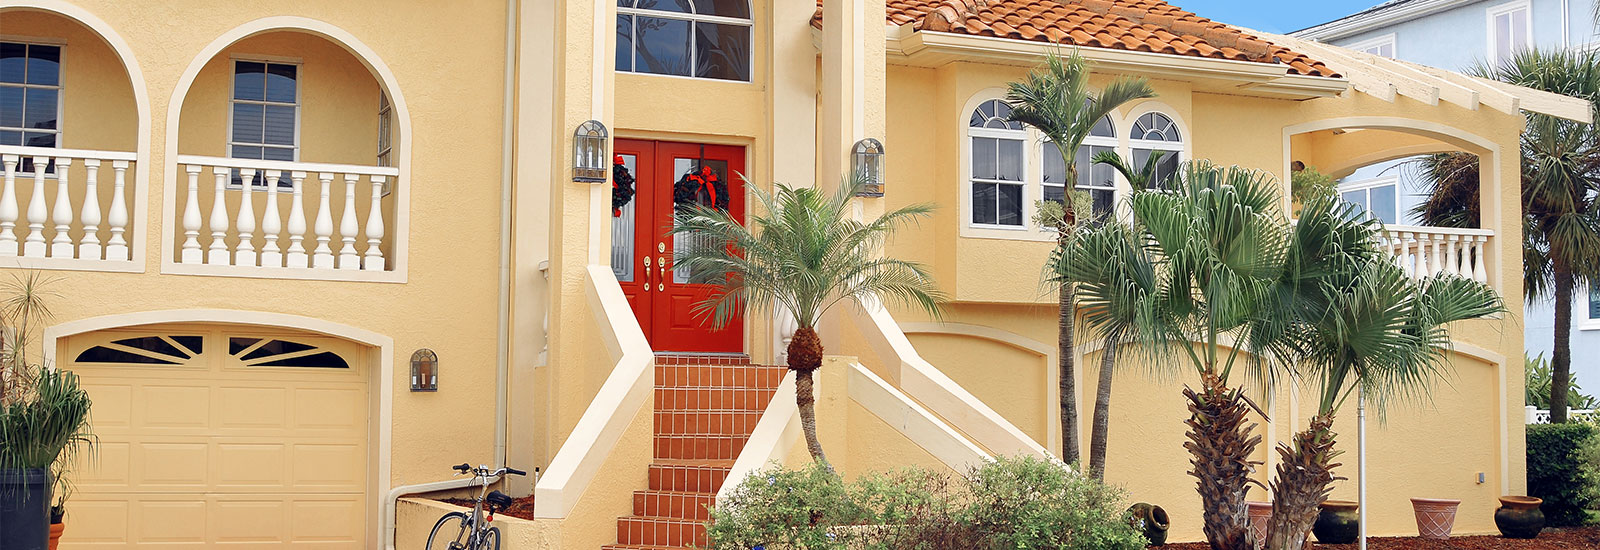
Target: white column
[
  {"x": 1480, "y": 268},
  {"x": 90, "y": 247},
  {"x": 348, "y": 259},
  {"x": 246, "y": 224},
  {"x": 116, "y": 246},
  {"x": 1450, "y": 265},
  {"x": 217, "y": 254},
  {"x": 1435, "y": 266},
  {"x": 272, "y": 224},
  {"x": 191, "y": 218},
  {"x": 1466, "y": 256},
  {"x": 33, "y": 245},
  {"x": 8, "y": 207},
  {"x": 374, "y": 256},
  {"x": 297, "y": 223},
  {"x": 1406, "y": 261},
  {"x": 61, "y": 243},
  {"x": 322, "y": 258}
]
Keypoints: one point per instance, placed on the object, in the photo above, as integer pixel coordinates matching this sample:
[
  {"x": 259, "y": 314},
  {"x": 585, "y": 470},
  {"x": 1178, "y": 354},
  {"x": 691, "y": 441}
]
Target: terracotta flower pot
[
  {"x": 1339, "y": 522},
  {"x": 1435, "y": 516},
  {"x": 1519, "y": 517},
  {"x": 55, "y": 534},
  {"x": 1260, "y": 517}
]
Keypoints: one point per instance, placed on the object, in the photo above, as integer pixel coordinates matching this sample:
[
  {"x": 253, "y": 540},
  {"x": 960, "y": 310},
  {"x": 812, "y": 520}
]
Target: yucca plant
[
  {"x": 49, "y": 421},
  {"x": 804, "y": 251}
]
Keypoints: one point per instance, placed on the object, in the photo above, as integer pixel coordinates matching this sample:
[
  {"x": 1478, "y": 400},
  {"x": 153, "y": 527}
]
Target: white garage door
[{"x": 219, "y": 437}]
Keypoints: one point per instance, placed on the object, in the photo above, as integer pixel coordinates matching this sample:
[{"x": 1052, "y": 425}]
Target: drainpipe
[
  {"x": 503, "y": 302},
  {"x": 1566, "y": 31},
  {"x": 1361, "y": 461}
]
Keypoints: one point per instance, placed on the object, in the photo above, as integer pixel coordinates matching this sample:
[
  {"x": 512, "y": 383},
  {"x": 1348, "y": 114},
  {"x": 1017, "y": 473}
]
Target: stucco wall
[{"x": 97, "y": 98}]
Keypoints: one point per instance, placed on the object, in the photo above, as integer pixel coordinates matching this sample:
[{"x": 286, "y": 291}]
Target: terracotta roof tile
[{"x": 1137, "y": 25}]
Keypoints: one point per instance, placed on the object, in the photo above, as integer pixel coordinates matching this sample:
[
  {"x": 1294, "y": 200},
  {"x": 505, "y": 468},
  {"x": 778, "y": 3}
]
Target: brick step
[
  {"x": 671, "y": 358},
  {"x": 673, "y": 504},
  {"x": 699, "y": 447},
  {"x": 699, "y": 476},
  {"x": 655, "y": 531},
  {"x": 718, "y": 376},
  {"x": 722, "y": 399},
  {"x": 706, "y": 422},
  {"x": 639, "y": 547}
]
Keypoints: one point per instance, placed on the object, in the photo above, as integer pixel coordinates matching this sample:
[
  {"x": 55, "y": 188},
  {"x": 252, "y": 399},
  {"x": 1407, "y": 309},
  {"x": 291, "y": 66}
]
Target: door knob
[{"x": 646, "y": 274}]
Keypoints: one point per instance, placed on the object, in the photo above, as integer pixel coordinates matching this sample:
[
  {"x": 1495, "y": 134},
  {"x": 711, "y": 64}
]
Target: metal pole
[{"x": 1361, "y": 463}]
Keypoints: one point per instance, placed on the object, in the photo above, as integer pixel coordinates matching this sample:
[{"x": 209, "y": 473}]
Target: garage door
[{"x": 220, "y": 437}]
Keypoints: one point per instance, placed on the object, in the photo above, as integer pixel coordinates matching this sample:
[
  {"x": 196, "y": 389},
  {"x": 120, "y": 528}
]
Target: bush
[
  {"x": 1564, "y": 470},
  {"x": 1011, "y": 503}
]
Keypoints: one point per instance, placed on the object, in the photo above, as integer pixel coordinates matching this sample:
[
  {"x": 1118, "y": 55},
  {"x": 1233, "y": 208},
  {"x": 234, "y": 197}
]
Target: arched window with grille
[
  {"x": 1153, "y": 132},
  {"x": 998, "y": 181},
  {"x": 1098, "y": 180},
  {"x": 691, "y": 38}
]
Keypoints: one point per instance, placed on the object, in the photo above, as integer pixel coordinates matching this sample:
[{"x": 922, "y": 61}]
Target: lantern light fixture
[
  {"x": 589, "y": 159},
  {"x": 866, "y": 160},
  {"x": 424, "y": 370}
]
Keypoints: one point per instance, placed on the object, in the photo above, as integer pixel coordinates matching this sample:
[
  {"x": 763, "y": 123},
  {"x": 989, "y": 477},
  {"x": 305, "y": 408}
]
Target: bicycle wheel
[
  {"x": 490, "y": 540},
  {"x": 450, "y": 533}
]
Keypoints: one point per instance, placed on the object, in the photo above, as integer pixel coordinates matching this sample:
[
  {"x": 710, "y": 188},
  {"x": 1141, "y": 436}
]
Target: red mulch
[
  {"x": 521, "y": 508},
  {"x": 1586, "y": 538}
]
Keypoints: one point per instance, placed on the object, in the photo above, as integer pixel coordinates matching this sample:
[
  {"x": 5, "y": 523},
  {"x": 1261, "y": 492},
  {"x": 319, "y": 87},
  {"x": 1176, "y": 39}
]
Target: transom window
[
  {"x": 30, "y": 96},
  {"x": 1099, "y": 180},
  {"x": 1157, "y": 132},
  {"x": 264, "y": 123},
  {"x": 998, "y": 164},
  {"x": 1510, "y": 30},
  {"x": 694, "y": 38},
  {"x": 1377, "y": 197}
]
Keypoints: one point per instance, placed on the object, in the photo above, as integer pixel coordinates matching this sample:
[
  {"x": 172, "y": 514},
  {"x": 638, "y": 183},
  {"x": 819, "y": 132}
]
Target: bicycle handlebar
[
  {"x": 515, "y": 472},
  {"x": 466, "y": 468},
  {"x": 462, "y": 467}
]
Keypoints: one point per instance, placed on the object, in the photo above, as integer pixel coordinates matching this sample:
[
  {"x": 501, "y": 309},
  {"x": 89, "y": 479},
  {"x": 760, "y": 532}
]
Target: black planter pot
[
  {"x": 1151, "y": 521},
  {"x": 24, "y": 509},
  {"x": 1339, "y": 522},
  {"x": 1519, "y": 517}
]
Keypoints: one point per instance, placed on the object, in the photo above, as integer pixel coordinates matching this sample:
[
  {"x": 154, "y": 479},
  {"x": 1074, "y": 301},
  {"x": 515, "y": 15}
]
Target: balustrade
[
  {"x": 1427, "y": 251},
  {"x": 63, "y": 219},
  {"x": 244, "y": 235}
]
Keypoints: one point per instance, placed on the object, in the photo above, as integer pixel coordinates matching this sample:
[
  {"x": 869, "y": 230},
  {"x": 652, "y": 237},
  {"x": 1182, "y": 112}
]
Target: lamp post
[{"x": 589, "y": 152}]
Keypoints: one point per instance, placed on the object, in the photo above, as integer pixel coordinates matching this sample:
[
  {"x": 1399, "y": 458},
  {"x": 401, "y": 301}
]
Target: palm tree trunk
[
  {"x": 805, "y": 357},
  {"x": 1561, "y": 353},
  {"x": 1069, "y": 386},
  {"x": 1305, "y": 477},
  {"x": 1102, "y": 411},
  {"x": 1221, "y": 443}
]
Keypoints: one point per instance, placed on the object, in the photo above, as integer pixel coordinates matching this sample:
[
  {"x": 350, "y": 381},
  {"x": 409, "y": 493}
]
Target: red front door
[{"x": 642, "y": 244}]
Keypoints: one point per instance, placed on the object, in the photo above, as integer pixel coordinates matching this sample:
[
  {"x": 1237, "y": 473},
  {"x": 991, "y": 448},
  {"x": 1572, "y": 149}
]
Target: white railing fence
[
  {"x": 1542, "y": 416},
  {"x": 310, "y": 216},
  {"x": 1427, "y": 251},
  {"x": 66, "y": 204}
]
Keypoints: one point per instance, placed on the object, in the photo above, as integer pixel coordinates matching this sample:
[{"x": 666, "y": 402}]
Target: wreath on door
[
  {"x": 622, "y": 190},
  {"x": 696, "y": 187}
]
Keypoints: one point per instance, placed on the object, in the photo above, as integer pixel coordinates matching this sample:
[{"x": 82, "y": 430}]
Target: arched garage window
[
  {"x": 998, "y": 185},
  {"x": 695, "y": 38}
]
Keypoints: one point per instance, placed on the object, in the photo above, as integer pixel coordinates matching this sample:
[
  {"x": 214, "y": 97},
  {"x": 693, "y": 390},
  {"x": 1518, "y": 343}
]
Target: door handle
[
  {"x": 661, "y": 273},
  {"x": 647, "y": 274}
]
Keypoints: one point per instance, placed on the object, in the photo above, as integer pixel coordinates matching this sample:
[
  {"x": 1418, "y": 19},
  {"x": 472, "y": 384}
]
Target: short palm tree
[
  {"x": 1057, "y": 100},
  {"x": 802, "y": 251}
]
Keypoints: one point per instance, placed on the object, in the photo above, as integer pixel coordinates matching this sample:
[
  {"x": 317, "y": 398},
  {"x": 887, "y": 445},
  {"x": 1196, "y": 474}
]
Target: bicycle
[{"x": 473, "y": 532}]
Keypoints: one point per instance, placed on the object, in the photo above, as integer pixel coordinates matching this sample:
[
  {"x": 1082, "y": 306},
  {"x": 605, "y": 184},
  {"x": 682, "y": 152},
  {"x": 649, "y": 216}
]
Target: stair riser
[
  {"x": 706, "y": 423},
  {"x": 694, "y": 447},
  {"x": 688, "y": 507},
  {"x": 687, "y": 478},
  {"x": 701, "y": 399},
  {"x": 672, "y": 376},
  {"x": 660, "y": 532}
]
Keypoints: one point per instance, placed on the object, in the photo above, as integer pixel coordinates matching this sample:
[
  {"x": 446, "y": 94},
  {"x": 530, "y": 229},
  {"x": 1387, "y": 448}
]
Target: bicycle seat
[{"x": 499, "y": 499}]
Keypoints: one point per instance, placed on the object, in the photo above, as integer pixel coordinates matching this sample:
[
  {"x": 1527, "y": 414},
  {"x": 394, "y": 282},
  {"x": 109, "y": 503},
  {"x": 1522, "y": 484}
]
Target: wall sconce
[
  {"x": 424, "y": 370},
  {"x": 590, "y": 163},
  {"x": 866, "y": 160}
]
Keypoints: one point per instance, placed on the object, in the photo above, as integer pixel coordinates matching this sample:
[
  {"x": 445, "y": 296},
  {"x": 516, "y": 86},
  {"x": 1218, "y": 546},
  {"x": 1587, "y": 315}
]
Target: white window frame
[
  {"x": 1019, "y": 136},
  {"x": 693, "y": 19},
  {"x": 385, "y": 129},
  {"x": 1367, "y": 46},
  {"x": 299, "y": 91},
  {"x": 1178, "y": 148},
  {"x": 1117, "y": 183},
  {"x": 1507, "y": 9},
  {"x": 1368, "y": 185},
  {"x": 60, "y": 88},
  {"x": 1588, "y": 320}
]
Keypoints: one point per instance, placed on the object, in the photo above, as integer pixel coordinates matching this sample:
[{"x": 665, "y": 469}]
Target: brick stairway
[{"x": 705, "y": 408}]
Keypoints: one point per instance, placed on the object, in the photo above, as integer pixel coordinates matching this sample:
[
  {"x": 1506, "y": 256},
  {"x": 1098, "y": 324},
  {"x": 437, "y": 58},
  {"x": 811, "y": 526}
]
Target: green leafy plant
[
  {"x": 1537, "y": 386},
  {"x": 1564, "y": 470},
  {"x": 44, "y": 414},
  {"x": 1308, "y": 184}
]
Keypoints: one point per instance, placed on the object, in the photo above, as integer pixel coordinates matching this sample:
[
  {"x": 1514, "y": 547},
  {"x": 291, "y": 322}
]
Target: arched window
[
  {"x": 997, "y": 182},
  {"x": 695, "y": 38},
  {"x": 1157, "y": 132},
  {"x": 1099, "y": 180}
]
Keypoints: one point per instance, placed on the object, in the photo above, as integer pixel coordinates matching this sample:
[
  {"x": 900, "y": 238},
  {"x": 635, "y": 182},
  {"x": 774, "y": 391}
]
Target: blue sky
[{"x": 1275, "y": 16}]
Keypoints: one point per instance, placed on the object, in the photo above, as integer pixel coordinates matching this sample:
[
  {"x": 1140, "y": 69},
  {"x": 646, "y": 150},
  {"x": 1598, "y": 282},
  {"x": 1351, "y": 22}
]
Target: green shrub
[
  {"x": 1012, "y": 503},
  {"x": 1564, "y": 470}
]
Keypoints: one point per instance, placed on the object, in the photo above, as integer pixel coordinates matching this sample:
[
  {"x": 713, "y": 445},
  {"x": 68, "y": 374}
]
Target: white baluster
[
  {"x": 348, "y": 259},
  {"x": 116, "y": 246},
  {"x": 8, "y": 207},
  {"x": 272, "y": 224},
  {"x": 1407, "y": 263},
  {"x": 61, "y": 212},
  {"x": 374, "y": 256},
  {"x": 322, "y": 257},
  {"x": 297, "y": 223},
  {"x": 191, "y": 218},
  {"x": 217, "y": 254},
  {"x": 1450, "y": 265},
  {"x": 1480, "y": 268},
  {"x": 1466, "y": 256},
  {"x": 246, "y": 225},
  {"x": 1434, "y": 264},
  {"x": 33, "y": 245},
  {"x": 90, "y": 247}
]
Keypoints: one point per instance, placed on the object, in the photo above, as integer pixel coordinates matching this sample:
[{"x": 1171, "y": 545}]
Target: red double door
[{"x": 643, "y": 247}]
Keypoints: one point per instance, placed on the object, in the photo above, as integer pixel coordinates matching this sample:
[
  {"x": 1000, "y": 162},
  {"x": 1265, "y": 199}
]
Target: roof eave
[{"x": 1356, "y": 24}]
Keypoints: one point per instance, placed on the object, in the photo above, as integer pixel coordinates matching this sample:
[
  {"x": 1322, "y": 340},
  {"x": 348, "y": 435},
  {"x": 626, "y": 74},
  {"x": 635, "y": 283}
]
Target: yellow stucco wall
[{"x": 97, "y": 98}]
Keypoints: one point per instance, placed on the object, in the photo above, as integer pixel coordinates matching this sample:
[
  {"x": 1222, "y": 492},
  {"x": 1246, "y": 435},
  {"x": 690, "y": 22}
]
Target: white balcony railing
[
  {"x": 1427, "y": 251},
  {"x": 1537, "y": 415},
  {"x": 39, "y": 218},
  {"x": 330, "y": 217}
]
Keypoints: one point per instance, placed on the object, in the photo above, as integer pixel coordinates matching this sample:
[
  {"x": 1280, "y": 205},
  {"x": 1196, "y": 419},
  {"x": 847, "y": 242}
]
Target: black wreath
[
  {"x": 621, "y": 187},
  {"x": 690, "y": 187}
]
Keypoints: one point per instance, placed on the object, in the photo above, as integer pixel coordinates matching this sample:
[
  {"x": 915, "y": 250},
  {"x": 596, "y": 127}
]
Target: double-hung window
[
  {"x": 693, "y": 38},
  {"x": 1154, "y": 132},
  {"x": 30, "y": 96},
  {"x": 385, "y": 135},
  {"x": 1510, "y": 30},
  {"x": 1377, "y": 197},
  {"x": 1382, "y": 46},
  {"x": 1098, "y": 180},
  {"x": 998, "y": 184},
  {"x": 265, "y": 114}
]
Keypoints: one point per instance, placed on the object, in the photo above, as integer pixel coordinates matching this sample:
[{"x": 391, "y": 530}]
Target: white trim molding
[{"x": 1377, "y": 18}]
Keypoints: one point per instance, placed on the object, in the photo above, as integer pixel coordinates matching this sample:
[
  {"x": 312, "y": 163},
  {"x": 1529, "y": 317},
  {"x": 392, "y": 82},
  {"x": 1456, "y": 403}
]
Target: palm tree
[
  {"x": 805, "y": 252},
  {"x": 1056, "y": 99},
  {"x": 1560, "y": 183},
  {"x": 1359, "y": 323}
]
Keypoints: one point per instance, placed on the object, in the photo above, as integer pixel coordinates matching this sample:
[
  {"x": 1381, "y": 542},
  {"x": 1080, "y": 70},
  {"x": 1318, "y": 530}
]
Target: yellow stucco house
[{"x": 336, "y": 247}]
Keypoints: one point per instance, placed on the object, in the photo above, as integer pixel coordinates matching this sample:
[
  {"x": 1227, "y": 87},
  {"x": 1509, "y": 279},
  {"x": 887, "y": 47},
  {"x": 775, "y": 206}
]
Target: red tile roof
[{"x": 1137, "y": 25}]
